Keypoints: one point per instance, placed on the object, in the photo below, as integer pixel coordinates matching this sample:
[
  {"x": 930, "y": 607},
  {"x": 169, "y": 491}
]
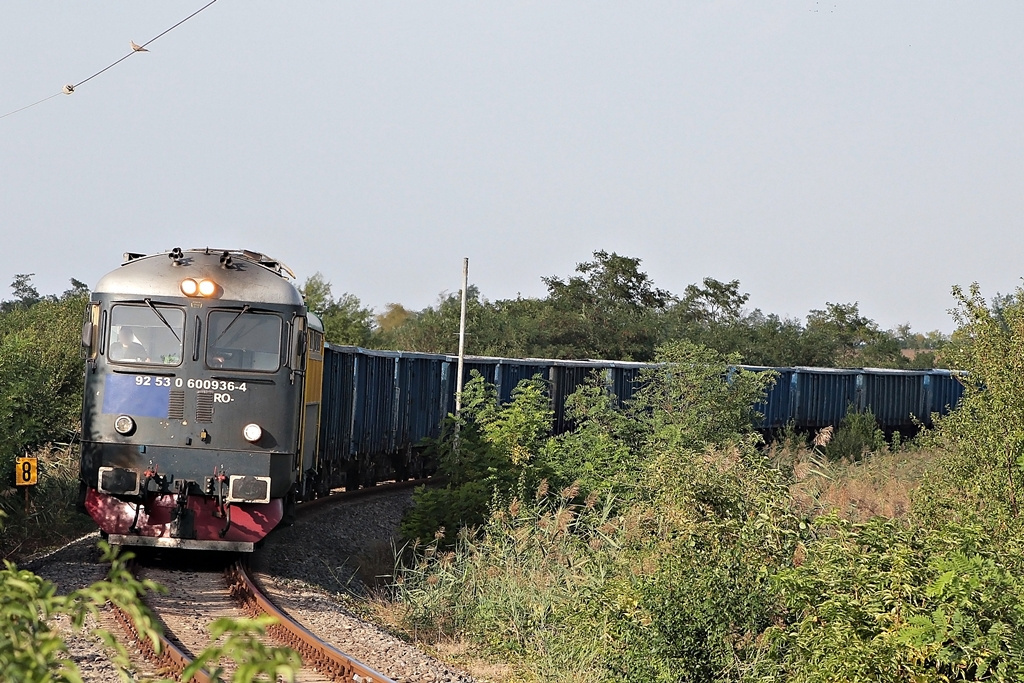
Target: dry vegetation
[
  {"x": 878, "y": 484},
  {"x": 50, "y": 519}
]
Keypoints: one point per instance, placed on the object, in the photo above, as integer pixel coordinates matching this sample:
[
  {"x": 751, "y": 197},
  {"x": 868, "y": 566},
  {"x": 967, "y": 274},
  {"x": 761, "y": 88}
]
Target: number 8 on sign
[{"x": 26, "y": 471}]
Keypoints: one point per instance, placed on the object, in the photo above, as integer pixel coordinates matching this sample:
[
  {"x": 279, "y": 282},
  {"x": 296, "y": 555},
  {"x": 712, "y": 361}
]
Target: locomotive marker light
[
  {"x": 124, "y": 425},
  {"x": 252, "y": 432}
]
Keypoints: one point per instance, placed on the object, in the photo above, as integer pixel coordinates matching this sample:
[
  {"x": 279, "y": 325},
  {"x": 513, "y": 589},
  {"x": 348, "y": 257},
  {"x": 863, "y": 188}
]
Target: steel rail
[
  {"x": 318, "y": 654},
  {"x": 165, "y": 655},
  {"x": 306, "y": 507}
]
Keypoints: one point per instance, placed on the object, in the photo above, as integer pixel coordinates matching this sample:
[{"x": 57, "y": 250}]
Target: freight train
[{"x": 213, "y": 404}]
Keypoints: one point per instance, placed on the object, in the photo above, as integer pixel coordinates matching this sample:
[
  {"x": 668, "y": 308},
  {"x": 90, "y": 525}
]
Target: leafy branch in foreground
[
  {"x": 238, "y": 640},
  {"x": 30, "y": 647}
]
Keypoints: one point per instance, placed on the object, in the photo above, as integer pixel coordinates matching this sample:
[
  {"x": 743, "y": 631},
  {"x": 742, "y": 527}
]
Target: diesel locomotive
[{"x": 203, "y": 375}]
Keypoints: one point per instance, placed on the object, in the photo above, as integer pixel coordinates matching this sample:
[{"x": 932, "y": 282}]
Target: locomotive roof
[{"x": 242, "y": 275}]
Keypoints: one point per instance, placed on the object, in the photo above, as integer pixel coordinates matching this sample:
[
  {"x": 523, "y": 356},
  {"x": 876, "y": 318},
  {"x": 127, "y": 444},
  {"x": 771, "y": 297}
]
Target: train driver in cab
[{"x": 127, "y": 347}]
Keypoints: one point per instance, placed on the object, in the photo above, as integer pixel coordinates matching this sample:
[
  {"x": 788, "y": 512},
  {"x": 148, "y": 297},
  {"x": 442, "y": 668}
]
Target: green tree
[
  {"x": 491, "y": 452},
  {"x": 608, "y": 310},
  {"x": 345, "y": 319},
  {"x": 316, "y": 292},
  {"x": 25, "y": 293},
  {"x": 503, "y": 328},
  {"x": 714, "y": 303},
  {"x": 982, "y": 475},
  {"x": 40, "y": 371},
  {"x": 770, "y": 340},
  {"x": 840, "y": 336},
  {"x": 435, "y": 329}
]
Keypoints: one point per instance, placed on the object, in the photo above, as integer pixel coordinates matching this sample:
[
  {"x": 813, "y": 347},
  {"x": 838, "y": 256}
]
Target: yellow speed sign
[{"x": 26, "y": 471}]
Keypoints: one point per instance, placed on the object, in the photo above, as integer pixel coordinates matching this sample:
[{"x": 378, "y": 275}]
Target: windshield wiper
[
  {"x": 149, "y": 302},
  {"x": 245, "y": 309}
]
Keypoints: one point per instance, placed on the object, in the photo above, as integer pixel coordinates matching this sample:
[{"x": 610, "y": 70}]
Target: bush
[
  {"x": 882, "y": 601},
  {"x": 695, "y": 400},
  {"x": 40, "y": 376},
  {"x": 666, "y": 582},
  {"x": 981, "y": 476},
  {"x": 695, "y": 567},
  {"x": 601, "y": 453},
  {"x": 51, "y": 518},
  {"x": 486, "y": 454},
  {"x": 723, "y": 524},
  {"x": 520, "y": 586},
  {"x": 858, "y": 435},
  {"x": 31, "y": 651}
]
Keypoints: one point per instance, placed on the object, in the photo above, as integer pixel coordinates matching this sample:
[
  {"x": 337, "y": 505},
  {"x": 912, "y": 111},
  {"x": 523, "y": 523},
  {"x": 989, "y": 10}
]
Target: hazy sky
[{"x": 815, "y": 151}]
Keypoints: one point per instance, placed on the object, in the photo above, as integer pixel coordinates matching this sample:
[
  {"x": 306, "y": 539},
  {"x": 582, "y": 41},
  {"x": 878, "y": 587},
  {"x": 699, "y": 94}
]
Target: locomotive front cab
[{"x": 192, "y": 418}]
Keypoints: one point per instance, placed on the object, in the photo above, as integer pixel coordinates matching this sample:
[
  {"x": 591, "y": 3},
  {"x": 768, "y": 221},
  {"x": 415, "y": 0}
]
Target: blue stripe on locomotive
[{"x": 124, "y": 394}]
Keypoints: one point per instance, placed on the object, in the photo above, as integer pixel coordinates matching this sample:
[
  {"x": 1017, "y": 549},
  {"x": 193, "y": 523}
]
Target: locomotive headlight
[
  {"x": 252, "y": 432},
  {"x": 192, "y": 287},
  {"x": 124, "y": 425}
]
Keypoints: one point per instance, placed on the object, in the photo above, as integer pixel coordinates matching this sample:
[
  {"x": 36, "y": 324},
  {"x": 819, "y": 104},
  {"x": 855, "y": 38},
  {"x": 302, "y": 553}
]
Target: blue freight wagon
[{"x": 379, "y": 406}]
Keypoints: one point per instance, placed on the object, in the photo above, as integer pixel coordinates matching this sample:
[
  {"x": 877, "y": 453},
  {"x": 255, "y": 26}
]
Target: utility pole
[{"x": 462, "y": 339}]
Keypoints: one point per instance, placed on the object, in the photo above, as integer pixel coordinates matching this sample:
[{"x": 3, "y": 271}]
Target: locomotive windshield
[
  {"x": 244, "y": 340},
  {"x": 148, "y": 334}
]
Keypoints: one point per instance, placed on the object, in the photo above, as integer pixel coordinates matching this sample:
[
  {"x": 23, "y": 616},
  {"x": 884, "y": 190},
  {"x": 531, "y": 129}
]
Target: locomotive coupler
[{"x": 182, "y": 518}]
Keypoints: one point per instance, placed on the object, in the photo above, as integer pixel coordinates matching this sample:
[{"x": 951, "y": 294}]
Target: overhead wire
[
  {"x": 29, "y": 106},
  {"x": 70, "y": 88}
]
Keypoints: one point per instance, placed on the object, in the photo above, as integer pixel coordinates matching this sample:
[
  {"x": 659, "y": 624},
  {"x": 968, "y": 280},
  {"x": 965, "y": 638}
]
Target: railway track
[{"x": 197, "y": 598}]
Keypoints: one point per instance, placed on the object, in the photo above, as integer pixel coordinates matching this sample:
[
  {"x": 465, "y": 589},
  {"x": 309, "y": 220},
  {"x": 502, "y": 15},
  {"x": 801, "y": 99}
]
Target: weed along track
[{"x": 321, "y": 568}]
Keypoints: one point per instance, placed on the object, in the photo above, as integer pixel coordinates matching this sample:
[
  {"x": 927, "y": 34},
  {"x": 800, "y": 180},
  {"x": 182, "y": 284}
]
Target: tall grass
[
  {"x": 521, "y": 586},
  {"x": 852, "y": 471},
  {"x": 680, "y": 575}
]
